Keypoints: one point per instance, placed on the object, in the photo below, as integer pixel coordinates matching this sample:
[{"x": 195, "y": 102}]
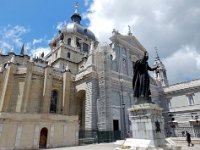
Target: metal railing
[{"x": 95, "y": 136}]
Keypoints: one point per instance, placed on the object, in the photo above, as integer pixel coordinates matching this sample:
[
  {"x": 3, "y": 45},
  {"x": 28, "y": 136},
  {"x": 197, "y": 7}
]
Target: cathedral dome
[{"x": 75, "y": 27}]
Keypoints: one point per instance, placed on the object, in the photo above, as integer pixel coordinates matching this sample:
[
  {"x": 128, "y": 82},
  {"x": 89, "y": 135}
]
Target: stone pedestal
[{"x": 147, "y": 123}]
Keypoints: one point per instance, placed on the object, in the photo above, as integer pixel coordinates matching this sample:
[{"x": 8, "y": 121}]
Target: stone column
[
  {"x": 1, "y": 129},
  {"x": 65, "y": 134},
  {"x": 51, "y": 140},
  {"x": 90, "y": 105},
  {"x": 27, "y": 87},
  {"x": 7, "y": 86},
  {"x": 47, "y": 90},
  {"x": 18, "y": 136},
  {"x": 104, "y": 102},
  {"x": 129, "y": 65},
  {"x": 36, "y": 137},
  {"x": 66, "y": 92}
]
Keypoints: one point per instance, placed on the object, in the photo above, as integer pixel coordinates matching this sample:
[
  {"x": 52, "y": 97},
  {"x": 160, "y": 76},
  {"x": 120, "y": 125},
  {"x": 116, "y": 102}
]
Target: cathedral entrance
[
  {"x": 81, "y": 107},
  {"x": 197, "y": 130},
  {"x": 117, "y": 132},
  {"x": 43, "y": 138}
]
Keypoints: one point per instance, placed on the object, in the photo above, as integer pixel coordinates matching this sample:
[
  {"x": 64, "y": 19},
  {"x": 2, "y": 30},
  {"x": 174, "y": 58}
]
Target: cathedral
[{"x": 81, "y": 91}]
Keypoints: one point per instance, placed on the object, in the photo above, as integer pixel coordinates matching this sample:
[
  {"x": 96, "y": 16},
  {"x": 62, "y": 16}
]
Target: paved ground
[{"x": 112, "y": 146}]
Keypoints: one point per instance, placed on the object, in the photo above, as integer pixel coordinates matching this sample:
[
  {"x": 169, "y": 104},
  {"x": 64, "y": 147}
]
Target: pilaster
[
  {"x": 104, "y": 101},
  {"x": 27, "y": 87},
  {"x": 129, "y": 65},
  {"x": 7, "y": 87},
  {"x": 47, "y": 90},
  {"x": 66, "y": 92},
  {"x": 90, "y": 105}
]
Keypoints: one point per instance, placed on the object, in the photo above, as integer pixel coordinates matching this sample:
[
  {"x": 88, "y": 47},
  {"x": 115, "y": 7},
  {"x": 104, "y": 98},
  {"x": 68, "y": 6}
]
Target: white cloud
[
  {"x": 86, "y": 2},
  {"x": 183, "y": 65},
  {"x": 38, "y": 51},
  {"x": 167, "y": 24},
  {"x": 11, "y": 36},
  {"x": 60, "y": 25},
  {"x": 105, "y": 15},
  {"x": 37, "y": 41}
]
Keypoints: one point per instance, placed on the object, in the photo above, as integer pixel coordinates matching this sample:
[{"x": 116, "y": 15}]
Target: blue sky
[
  {"x": 34, "y": 20},
  {"x": 170, "y": 25}
]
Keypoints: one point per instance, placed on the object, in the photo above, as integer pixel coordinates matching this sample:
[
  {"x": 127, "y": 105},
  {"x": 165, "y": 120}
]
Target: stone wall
[
  {"x": 25, "y": 97},
  {"x": 29, "y": 90},
  {"x": 23, "y": 131}
]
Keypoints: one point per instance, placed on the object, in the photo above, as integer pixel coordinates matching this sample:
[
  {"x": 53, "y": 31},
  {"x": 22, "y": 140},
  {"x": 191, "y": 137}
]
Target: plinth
[{"x": 147, "y": 124}]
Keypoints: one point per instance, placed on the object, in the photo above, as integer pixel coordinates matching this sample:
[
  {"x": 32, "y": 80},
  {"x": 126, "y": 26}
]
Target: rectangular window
[
  {"x": 78, "y": 43},
  {"x": 169, "y": 103},
  {"x": 85, "y": 47},
  {"x": 190, "y": 99}
]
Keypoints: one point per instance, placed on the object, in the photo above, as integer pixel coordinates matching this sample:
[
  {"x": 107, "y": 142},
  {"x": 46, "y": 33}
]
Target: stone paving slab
[
  {"x": 112, "y": 146},
  {"x": 185, "y": 147}
]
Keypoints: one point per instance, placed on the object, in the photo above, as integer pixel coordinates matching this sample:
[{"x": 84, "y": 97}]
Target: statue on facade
[{"x": 141, "y": 80}]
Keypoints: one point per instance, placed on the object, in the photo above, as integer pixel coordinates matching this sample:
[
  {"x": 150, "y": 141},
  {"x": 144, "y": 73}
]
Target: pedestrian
[
  {"x": 188, "y": 139},
  {"x": 128, "y": 134},
  {"x": 183, "y": 133}
]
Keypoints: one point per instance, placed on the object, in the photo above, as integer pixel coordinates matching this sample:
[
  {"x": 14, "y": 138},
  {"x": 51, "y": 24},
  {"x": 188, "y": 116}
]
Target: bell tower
[
  {"x": 160, "y": 74},
  {"x": 71, "y": 46}
]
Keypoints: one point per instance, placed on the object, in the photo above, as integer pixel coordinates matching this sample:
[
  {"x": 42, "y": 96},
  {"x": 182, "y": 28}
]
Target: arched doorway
[
  {"x": 81, "y": 107},
  {"x": 43, "y": 138}
]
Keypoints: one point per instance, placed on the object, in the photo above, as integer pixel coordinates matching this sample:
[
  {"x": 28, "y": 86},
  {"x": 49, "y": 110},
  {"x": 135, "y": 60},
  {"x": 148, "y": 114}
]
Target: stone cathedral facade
[{"x": 81, "y": 85}]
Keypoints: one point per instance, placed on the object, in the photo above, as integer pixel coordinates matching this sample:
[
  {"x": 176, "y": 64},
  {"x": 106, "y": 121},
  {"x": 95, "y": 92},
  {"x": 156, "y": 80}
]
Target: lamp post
[
  {"x": 196, "y": 118},
  {"x": 172, "y": 123},
  {"x": 195, "y": 123},
  {"x": 123, "y": 109},
  {"x": 124, "y": 119}
]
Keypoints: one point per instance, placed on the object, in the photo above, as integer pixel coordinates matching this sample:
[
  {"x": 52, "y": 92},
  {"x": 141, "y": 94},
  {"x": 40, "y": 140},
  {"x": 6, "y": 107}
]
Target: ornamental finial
[
  {"x": 76, "y": 8},
  {"x": 129, "y": 30},
  {"x": 156, "y": 50}
]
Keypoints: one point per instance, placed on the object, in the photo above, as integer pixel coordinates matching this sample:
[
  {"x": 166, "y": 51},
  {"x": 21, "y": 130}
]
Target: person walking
[
  {"x": 183, "y": 133},
  {"x": 188, "y": 139}
]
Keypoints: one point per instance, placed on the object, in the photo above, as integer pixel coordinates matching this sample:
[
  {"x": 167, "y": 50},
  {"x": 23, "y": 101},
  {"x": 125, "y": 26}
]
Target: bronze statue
[{"x": 141, "y": 80}]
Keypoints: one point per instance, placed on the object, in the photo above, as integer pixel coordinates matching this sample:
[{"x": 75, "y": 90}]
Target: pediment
[{"x": 130, "y": 42}]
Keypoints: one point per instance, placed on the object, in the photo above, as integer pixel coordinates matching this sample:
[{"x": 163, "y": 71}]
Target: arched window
[
  {"x": 111, "y": 57},
  {"x": 68, "y": 55},
  {"x": 5, "y": 65},
  {"x": 69, "y": 41},
  {"x": 54, "y": 99},
  {"x": 124, "y": 66}
]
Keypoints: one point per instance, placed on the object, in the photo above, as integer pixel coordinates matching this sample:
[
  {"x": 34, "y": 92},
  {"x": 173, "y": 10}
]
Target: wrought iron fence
[{"x": 95, "y": 136}]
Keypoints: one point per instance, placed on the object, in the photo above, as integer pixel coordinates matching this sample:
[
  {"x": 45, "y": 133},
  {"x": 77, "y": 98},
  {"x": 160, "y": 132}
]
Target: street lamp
[
  {"x": 172, "y": 123},
  {"x": 124, "y": 119},
  {"x": 196, "y": 118}
]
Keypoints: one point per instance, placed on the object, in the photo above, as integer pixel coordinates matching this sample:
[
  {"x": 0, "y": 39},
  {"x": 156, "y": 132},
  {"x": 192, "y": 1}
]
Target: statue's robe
[{"x": 141, "y": 79}]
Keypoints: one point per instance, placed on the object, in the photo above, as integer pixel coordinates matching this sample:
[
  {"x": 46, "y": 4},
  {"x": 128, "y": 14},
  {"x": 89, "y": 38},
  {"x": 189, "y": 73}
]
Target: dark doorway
[
  {"x": 117, "y": 132},
  {"x": 81, "y": 108},
  {"x": 43, "y": 138},
  {"x": 116, "y": 125}
]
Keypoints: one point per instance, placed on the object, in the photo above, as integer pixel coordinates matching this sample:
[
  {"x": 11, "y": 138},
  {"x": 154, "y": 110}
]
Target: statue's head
[{"x": 146, "y": 57}]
